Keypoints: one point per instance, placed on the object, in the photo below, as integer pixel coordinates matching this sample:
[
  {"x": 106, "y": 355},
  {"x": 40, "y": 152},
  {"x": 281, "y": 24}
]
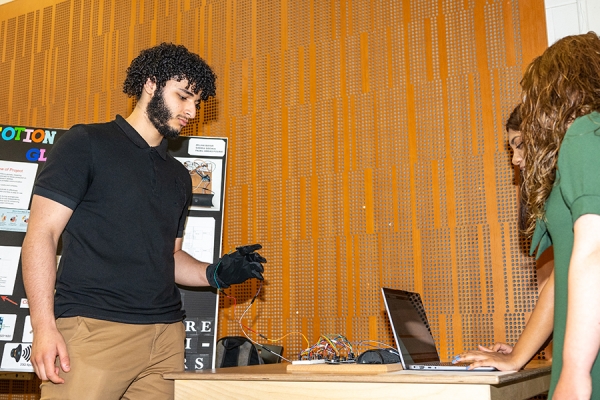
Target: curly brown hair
[
  {"x": 169, "y": 61},
  {"x": 559, "y": 86}
]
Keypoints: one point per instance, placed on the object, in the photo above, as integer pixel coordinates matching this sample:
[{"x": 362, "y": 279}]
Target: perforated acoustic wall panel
[{"x": 367, "y": 146}]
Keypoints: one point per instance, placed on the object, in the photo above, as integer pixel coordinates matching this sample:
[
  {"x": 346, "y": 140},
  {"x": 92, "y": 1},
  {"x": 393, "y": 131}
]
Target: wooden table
[{"x": 274, "y": 381}]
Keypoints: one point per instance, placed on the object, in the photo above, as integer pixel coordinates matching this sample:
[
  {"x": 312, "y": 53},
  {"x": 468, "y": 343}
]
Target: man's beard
[{"x": 160, "y": 115}]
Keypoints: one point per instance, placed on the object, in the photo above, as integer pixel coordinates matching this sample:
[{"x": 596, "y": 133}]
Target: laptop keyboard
[{"x": 445, "y": 364}]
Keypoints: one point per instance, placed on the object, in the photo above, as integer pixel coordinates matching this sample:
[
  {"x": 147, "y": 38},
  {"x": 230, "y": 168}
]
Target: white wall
[{"x": 570, "y": 17}]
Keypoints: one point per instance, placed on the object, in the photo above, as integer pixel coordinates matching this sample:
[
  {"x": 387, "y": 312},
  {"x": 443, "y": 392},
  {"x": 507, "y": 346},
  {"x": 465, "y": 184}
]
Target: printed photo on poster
[
  {"x": 13, "y": 220},
  {"x": 16, "y": 356},
  {"x": 198, "y": 238},
  {"x": 27, "y": 330},
  {"x": 7, "y": 326},
  {"x": 9, "y": 263},
  {"x": 206, "y": 176},
  {"x": 16, "y": 184}
]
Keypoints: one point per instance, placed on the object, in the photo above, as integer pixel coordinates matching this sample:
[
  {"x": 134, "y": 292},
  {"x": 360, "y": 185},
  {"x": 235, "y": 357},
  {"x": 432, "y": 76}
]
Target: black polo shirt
[{"x": 129, "y": 203}]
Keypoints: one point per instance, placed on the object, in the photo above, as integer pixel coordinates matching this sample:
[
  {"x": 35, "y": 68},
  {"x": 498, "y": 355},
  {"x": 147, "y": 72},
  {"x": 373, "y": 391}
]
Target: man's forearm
[
  {"x": 39, "y": 276},
  {"x": 188, "y": 270},
  {"x": 46, "y": 223}
]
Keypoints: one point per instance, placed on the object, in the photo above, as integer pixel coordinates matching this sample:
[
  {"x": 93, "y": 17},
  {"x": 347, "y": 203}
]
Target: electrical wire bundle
[
  {"x": 334, "y": 348},
  {"x": 245, "y": 329}
]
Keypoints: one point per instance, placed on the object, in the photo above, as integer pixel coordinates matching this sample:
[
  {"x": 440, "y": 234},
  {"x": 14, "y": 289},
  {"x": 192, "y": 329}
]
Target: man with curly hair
[{"x": 108, "y": 323}]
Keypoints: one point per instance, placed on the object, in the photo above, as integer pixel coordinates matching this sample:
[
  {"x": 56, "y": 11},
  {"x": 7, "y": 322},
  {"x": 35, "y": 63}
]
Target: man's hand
[
  {"x": 236, "y": 267},
  {"x": 47, "y": 345}
]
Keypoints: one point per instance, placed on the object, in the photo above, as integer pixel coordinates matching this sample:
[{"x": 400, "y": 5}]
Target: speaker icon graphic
[{"x": 19, "y": 352}]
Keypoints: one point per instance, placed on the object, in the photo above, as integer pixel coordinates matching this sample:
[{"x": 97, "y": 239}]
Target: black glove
[{"x": 236, "y": 267}]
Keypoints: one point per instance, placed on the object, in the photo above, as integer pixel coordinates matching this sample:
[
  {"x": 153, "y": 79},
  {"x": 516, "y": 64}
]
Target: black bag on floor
[{"x": 236, "y": 351}]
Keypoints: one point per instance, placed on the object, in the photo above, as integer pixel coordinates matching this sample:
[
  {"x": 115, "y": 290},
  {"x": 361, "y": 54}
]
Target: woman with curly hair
[
  {"x": 108, "y": 324},
  {"x": 539, "y": 327},
  {"x": 561, "y": 135}
]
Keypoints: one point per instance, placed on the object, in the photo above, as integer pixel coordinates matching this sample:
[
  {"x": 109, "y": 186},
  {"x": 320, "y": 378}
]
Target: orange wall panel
[{"x": 366, "y": 145}]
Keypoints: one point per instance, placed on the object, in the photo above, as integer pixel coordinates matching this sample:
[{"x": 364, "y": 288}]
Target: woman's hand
[
  {"x": 498, "y": 356},
  {"x": 497, "y": 348}
]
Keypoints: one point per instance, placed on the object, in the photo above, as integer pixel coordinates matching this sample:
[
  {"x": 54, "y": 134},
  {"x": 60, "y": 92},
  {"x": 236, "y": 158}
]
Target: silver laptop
[{"x": 412, "y": 334}]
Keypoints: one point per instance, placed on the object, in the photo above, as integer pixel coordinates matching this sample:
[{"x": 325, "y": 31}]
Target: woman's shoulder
[
  {"x": 589, "y": 123},
  {"x": 581, "y": 144}
]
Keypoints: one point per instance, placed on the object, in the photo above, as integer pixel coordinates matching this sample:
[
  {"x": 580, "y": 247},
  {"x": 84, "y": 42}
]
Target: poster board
[
  {"x": 23, "y": 153},
  {"x": 205, "y": 158}
]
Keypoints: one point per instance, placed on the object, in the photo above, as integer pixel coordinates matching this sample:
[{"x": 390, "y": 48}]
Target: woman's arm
[
  {"x": 582, "y": 336},
  {"x": 536, "y": 332}
]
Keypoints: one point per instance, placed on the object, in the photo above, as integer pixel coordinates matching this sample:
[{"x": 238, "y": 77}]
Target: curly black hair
[
  {"x": 514, "y": 119},
  {"x": 169, "y": 61}
]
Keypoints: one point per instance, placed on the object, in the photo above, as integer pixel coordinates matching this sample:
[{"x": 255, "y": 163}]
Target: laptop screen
[{"x": 409, "y": 324}]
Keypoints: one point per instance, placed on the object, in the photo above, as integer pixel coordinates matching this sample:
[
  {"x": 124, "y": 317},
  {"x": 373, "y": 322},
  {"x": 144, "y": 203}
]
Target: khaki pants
[{"x": 111, "y": 360}]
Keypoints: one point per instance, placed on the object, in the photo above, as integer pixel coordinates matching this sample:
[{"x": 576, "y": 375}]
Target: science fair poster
[{"x": 23, "y": 151}]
